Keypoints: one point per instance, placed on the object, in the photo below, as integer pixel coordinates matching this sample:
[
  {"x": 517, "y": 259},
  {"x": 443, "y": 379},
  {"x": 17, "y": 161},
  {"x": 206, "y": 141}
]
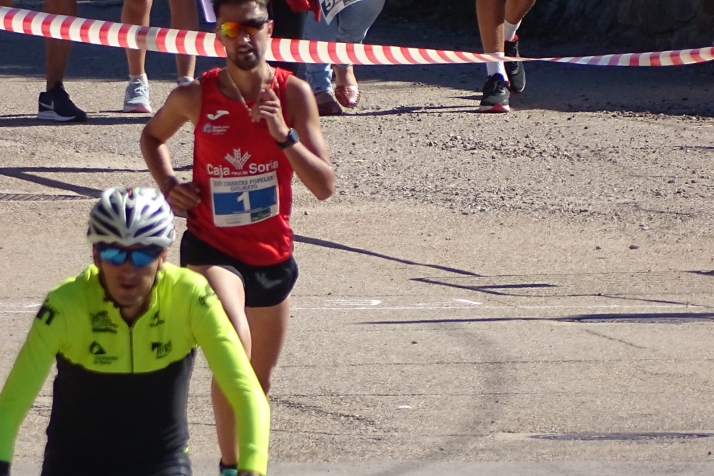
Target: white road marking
[{"x": 355, "y": 302}]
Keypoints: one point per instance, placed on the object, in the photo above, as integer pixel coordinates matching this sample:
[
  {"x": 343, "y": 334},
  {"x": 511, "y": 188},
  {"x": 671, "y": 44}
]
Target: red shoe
[{"x": 347, "y": 96}]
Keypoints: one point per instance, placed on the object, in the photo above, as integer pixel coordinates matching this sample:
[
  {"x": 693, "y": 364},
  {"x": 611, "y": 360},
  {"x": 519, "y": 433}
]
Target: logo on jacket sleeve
[
  {"x": 209, "y": 293},
  {"x": 46, "y": 313},
  {"x": 102, "y": 323},
  {"x": 237, "y": 159},
  {"x": 161, "y": 349}
]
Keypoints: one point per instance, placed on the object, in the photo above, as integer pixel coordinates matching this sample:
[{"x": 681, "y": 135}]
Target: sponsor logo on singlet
[
  {"x": 161, "y": 349},
  {"x": 219, "y": 113},
  {"x": 101, "y": 322},
  {"x": 237, "y": 159},
  {"x": 215, "y": 130}
]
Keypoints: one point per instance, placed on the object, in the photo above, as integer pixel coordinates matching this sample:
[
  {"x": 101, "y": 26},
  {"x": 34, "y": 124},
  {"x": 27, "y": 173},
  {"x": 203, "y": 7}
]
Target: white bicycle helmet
[{"x": 130, "y": 216}]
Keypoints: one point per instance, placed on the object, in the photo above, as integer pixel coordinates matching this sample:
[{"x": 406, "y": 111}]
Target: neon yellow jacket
[{"x": 121, "y": 391}]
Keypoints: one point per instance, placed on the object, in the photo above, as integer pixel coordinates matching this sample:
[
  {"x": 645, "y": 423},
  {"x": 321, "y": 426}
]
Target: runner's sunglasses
[
  {"x": 139, "y": 257},
  {"x": 231, "y": 29}
]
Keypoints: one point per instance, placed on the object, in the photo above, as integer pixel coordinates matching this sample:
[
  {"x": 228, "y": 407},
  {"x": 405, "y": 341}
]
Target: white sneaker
[{"x": 136, "y": 98}]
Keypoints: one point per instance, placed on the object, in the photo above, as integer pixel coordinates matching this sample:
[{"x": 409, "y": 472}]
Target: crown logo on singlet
[{"x": 237, "y": 159}]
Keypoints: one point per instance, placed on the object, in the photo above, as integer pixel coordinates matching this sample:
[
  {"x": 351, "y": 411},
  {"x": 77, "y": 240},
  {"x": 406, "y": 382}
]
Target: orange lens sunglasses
[{"x": 231, "y": 29}]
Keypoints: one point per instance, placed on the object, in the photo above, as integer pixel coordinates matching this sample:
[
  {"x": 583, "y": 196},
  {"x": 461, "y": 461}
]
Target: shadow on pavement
[
  {"x": 338, "y": 246},
  {"x": 25, "y": 173},
  {"x": 639, "y": 318}
]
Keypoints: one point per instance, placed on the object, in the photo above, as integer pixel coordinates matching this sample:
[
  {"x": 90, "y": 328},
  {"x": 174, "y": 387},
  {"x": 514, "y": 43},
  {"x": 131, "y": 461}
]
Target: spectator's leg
[
  {"x": 288, "y": 24},
  {"x": 353, "y": 24},
  {"x": 319, "y": 75},
  {"x": 184, "y": 16},
  {"x": 490, "y": 15},
  {"x": 136, "y": 97},
  {"x": 136, "y": 12},
  {"x": 57, "y": 51},
  {"x": 516, "y": 10}
]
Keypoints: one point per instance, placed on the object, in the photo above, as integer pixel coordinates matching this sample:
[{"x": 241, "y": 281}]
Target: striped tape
[{"x": 168, "y": 40}]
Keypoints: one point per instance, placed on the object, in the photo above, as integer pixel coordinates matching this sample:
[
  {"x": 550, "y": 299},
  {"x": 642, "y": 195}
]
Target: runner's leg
[
  {"x": 268, "y": 327},
  {"x": 229, "y": 289}
]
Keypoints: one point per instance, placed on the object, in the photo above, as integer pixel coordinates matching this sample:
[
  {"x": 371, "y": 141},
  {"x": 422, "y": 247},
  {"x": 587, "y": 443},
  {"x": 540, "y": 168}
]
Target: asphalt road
[{"x": 524, "y": 294}]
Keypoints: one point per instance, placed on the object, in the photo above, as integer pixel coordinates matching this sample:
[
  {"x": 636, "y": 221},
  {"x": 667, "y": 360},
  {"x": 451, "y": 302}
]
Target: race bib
[
  {"x": 330, "y": 8},
  {"x": 239, "y": 201}
]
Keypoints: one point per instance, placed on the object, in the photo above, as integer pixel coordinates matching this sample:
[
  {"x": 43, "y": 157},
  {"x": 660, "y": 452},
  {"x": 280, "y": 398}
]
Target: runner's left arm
[
  {"x": 27, "y": 376},
  {"x": 236, "y": 378}
]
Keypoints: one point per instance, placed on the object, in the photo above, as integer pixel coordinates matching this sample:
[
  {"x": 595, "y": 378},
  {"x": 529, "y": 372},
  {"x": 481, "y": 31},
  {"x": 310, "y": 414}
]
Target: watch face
[
  {"x": 293, "y": 136},
  {"x": 291, "y": 139}
]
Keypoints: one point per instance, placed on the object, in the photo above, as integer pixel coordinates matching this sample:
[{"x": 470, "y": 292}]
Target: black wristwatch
[{"x": 292, "y": 139}]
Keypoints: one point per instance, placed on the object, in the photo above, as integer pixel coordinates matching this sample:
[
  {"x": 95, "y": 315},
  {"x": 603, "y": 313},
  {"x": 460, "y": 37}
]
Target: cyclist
[{"x": 124, "y": 335}]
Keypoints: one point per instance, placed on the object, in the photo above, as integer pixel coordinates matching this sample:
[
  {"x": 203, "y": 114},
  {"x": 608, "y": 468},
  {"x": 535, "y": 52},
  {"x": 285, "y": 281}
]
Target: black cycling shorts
[
  {"x": 177, "y": 464},
  {"x": 265, "y": 286}
]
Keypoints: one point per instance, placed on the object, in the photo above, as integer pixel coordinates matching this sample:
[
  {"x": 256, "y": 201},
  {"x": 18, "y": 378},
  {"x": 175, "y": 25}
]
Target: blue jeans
[{"x": 349, "y": 26}]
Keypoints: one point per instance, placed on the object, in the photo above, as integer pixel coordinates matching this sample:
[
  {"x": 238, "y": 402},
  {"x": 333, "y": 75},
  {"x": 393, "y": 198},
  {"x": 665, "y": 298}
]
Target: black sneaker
[
  {"x": 495, "y": 95},
  {"x": 514, "y": 69},
  {"x": 55, "y": 105}
]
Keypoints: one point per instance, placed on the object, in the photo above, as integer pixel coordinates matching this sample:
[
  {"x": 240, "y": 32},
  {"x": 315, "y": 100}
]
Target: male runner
[
  {"x": 253, "y": 127},
  {"x": 498, "y": 21},
  {"x": 124, "y": 334},
  {"x": 54, "y": 104}
]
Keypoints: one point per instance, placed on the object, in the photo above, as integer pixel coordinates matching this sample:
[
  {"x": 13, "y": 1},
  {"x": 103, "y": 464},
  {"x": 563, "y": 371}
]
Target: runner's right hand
[{"x": 183, "y": 197}]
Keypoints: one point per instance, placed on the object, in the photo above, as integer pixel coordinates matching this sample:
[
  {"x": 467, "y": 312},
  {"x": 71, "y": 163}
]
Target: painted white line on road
[
  {"x": 420, "y": 307},
  {"x": 466, "y": 301},
  {"x": 355, "y": 302}
]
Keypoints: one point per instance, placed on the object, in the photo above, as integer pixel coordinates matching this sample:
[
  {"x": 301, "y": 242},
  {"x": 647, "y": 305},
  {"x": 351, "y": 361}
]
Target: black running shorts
[
  {"x": 177, "y": 464},
  {"x": 265, "y": 286}
]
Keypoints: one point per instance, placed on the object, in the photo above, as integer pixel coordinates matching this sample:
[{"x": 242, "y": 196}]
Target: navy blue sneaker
[
  {"x": 55, "y": 105},
  {"x": 514, "y": 69},
  {"x": 495, "y": 95}
]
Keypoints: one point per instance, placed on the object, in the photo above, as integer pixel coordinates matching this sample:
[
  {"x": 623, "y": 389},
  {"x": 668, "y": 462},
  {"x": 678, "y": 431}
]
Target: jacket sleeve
[
  {"x": 29, "y": 373},
  {"x": 234, "y": 374}
]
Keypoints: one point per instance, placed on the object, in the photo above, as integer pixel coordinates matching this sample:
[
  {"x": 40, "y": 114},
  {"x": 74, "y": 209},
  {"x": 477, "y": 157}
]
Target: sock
[
  {"x": 142, "y": 77},
  {"x": 226, "y": 466},
  {"x": 509, "y": 30},
  {"x": 496, "y": 67},
  {"x": 184, "y": 80}
]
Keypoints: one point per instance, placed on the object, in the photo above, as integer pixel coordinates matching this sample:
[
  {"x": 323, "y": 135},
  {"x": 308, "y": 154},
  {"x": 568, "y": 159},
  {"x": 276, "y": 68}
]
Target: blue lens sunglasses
[{"x": 139, "y": 257}]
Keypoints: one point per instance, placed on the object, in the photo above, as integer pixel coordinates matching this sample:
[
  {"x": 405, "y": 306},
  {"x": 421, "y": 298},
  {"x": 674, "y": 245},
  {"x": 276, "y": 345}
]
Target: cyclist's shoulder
[
  {"x": 175, "y": 281},
  {"x": 72, "y": 289}
]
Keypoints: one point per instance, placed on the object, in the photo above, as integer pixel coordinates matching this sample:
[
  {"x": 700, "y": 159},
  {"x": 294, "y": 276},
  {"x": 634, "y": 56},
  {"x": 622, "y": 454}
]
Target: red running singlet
[{"x": 245, "y": 180}]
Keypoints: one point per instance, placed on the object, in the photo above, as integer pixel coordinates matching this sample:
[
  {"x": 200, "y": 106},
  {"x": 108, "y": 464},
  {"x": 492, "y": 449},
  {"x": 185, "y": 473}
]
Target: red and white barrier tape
[{"x": 167, "y": 40}]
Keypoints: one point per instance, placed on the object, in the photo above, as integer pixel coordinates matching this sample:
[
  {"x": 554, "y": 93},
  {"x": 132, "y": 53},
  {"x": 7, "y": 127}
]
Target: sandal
[{"x": 348, "y": 96}]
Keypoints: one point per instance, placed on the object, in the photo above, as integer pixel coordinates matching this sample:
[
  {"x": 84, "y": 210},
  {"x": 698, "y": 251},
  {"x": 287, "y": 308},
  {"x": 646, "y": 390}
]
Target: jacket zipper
[{"x": 131, "y": 346}]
